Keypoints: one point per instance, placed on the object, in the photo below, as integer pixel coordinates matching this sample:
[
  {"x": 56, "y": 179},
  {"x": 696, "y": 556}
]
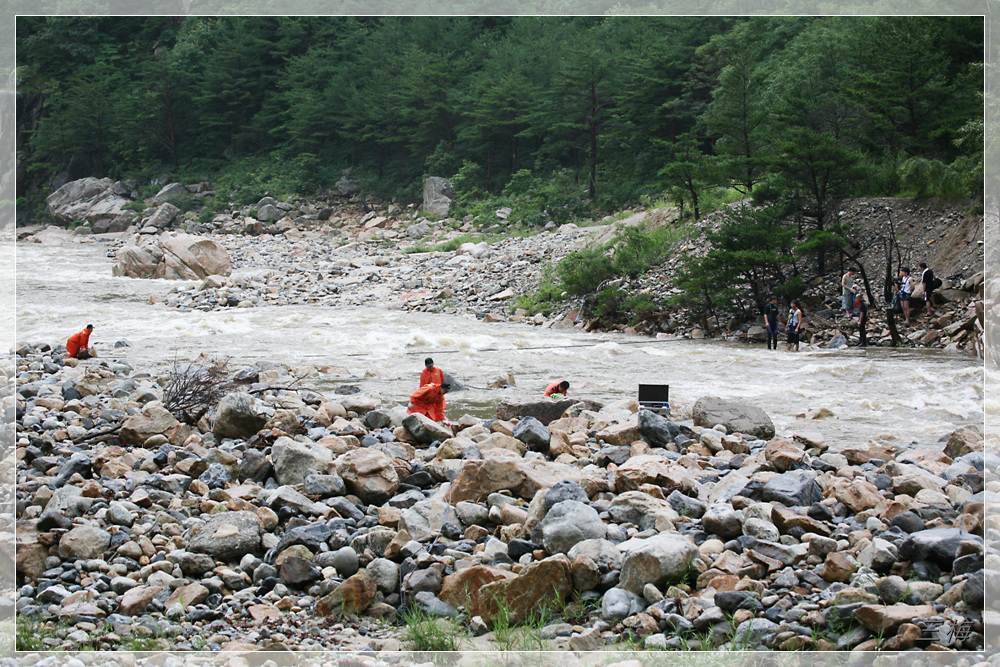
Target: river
[{"x": 916, "y": 395}]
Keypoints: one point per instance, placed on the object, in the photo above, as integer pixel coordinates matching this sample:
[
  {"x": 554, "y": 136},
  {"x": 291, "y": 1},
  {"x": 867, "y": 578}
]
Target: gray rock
[
  {"x": 793, "y": 489},
  {"x": 432, "y": 606},
  {"x": 570, "y": 522},
  {"x": 471, "y": 514},
  {"x": 84, "y": 542},
  {"x": 385, "y": 574},
  {"x": 215, "y": 476},
  {"x": 419, "y": 230},
  {"x": 751, "y": 632},
  {"x": 544, "y": 410},
  {"x": 722, "y": 520},
  {"x": 298, "y": 572},
  {"x": 660, "y": 560},
  {"x": 347, "y": 186},
  {"x": 438, "y": 193},
  {"x": 345, "y": 560},
  {"x": 736, "y": 417},
  {"x": 119, "y": 515},
  {"x": 532, "y": 433},
  {"x": 686, "y": 505},
  {"x": 227, "y": 536},
  {"x": 324, "y": 486},
  {"x": 761, "y": 529},
  {"x": 425, "y": 430},
  {"x": 837, "y": 342},
  {"x": 605, "y": 553},
  {"x": 292, "y": 459},
  {"x": 268, "y": 213},
  {"x": 169, "y": 191},
  {"x": 618, "y": 604},
  {"x": 564, "y": 490},
  {"x": 428, "y": 579},
  {"x": 238, "y": 415},
  {"x": 659, "y": 430},
  {"x": 938, "y": 545},
  {"x": 163, "y": 216}
]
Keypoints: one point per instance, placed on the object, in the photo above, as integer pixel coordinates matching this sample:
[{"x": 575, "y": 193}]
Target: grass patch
[{"x": 428, "y": 634}]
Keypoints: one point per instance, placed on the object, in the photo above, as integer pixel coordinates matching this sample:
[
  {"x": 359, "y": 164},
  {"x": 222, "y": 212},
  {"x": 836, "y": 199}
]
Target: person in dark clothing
[
  {"x": 927, "y": 278},
  {"x": 862, "y": 322},
  {"x": 771, "y": 322}
]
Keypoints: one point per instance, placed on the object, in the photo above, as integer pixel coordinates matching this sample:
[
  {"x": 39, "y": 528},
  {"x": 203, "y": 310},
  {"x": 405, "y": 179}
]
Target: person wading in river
[
  {"x": 862, "y": 307},
  {"x": 78, "y": 345},
  {"x": 429, "y": 401},
  {"x": 771, "y": 322},
  {"x": 431, "y": 373},
  {"x": 794, "y": 325}
]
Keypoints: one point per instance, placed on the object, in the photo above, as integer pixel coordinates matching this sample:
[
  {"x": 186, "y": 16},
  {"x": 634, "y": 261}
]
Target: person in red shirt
[
  {"x": 78, "y": 345},
  {"x": 429, "y": 401},
  {"x": 561, "y": 388},
  {"x": 431, "y": 374}
]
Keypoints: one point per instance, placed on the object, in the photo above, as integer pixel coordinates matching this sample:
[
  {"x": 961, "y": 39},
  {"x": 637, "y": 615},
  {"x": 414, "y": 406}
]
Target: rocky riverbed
[{"x": 291, "y": 518}]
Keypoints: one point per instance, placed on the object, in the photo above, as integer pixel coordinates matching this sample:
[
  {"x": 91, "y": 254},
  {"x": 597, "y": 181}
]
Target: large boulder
[
  {"x": 424, "y": 519},
  {"x": 438, "y": 193},
  {"x": 84, "y": 542},
  {"x": 736, "y": 417},
  {"x": 502, "y": 469},
  {"x": 964, "y": 440},
  {"x": 173, "y": 256},
  {"x": 238, "y": 415},
  {"x": 96, "y": 200},
  {"x": 793, "y": 489},
  {"x": 544, "y": 410},
  {"x": 568, "y": 523},
  {"x": 227, "y": 536},
  {"x": 656, "y": 470},
  {"x": 169, "y": 191},
  {"x": 657, "y": 429},
  {"x": 347, "y": 185},
  {"x": 292, "y": 459},
  {"x": 660, "y": 560},
  {"x": 939, "y": 545},
  {"x": 424, "y": 429},
  {"x": 154, "y": 420},
  {"x": 369, "y": 474},
  {"x": 546, "y": 582},
  {"x": 163, "y": 216}
]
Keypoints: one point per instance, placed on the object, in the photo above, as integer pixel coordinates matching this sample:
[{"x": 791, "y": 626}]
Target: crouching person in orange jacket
[
  {"x": 78, "y": 345},
  {"x": 429, "y": 401}
]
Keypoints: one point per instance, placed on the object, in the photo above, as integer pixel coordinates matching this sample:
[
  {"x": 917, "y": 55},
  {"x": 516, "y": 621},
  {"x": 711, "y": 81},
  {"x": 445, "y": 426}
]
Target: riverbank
[{"x": 305, "y": 519}]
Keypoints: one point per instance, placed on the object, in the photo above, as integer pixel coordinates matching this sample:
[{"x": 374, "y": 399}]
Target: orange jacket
[
  {"x": 552, "y": 388},
  {"x": 428, "y": 401},
  {"x": 78, "y": 341},
  {"x": 431, "y": 375}
]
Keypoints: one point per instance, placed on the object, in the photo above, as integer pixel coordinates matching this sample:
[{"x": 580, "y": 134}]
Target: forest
[{"x": 577, "y": 115}]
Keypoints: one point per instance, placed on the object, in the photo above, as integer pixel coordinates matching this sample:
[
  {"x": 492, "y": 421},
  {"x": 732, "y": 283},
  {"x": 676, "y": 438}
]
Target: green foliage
[
  {"x": 426, "y": 633},
  {"x": 923, "y": 178},
  {"x": 581, "y": 272},
  {"x": 546, "y": 298}
]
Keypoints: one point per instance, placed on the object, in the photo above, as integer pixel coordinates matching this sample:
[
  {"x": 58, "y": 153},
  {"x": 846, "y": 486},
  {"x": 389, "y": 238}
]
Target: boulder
[
  {"x": 540, "y": 584},
  {"x": 94, "y": 200},
  {"x": 238, "y": 415},
  {"x": 544, "y": 410},
  {"x": 173, "y": 256},
  {"x": 292, "y": 459},
  {"x": 424, "y": 429},
  {"x": 939, "y": 545},
  {"x": 268, "y": 213},
  {"x": 169, "y": 191},
  {"x": 424, "y": 519},
  {"x": 347, "y": 185},
  {"x": 438, "y": 193},
  {"x": 163, "y": 216},
  {"x": 736, "y": 417},
  {"x": 660, "y": 560},
  {"x": 964, "y": 440},
  {"x": 793, "y": 489},
  {"x": 643, "y": 510},
  {"x": 349, "y": 598},
  {"x": 658, "y": 430},
  {"x": 783, "y": 455},
  {"x": 369, "y": 474},
  {"x": 84, "y": 542},
  {"x": 653, "y": 469},
  {"x": 533, "y": 434},
  {"x": 570, "y": 522},
  {"x": 154, "y": 420},
  {"x": 604, "y": 553},
  {"x": 462, "y": 587},
  {"x": 501, "y": 469},
  {"x": 227, "y": 536}
]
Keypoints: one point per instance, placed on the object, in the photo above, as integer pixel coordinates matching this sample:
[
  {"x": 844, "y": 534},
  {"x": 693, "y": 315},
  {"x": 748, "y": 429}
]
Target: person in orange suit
[
  {"x": 431, "y": 374},
  {"x": 559, "y": 389},
  {"x": 429, "y": 401},
  {"x": 78, "y": 345}
]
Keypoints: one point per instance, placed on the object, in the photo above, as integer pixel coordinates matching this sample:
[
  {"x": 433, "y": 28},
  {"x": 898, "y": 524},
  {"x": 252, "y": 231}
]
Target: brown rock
[
  {"x": 29, "y": 560},
  {"x": 134, "y": 600},
  {"x": 369, "y": 474},
  {"x": 860, "y": 495},
  {"x": 460, "y": 588},
  {"x": 154, "y": 420},
  {"x": 349, "y": 598},
  {"x": 886, "y": 618},
  {"x": 906, "y": 638},
  {"x": 783, "y": 454},
  {"x": 543, "y": 583},
  {"x": 964, "y": 440},
  {"x": 586, "y": 574},
  {"x": 652, "y": 469},
  {"x": 870, "y": 450},
  {"x": 503, "y": 470},
  {"x": 838, "y": 567},
  {"x": 785, "y": 519},
  {"x": 186, "y": 596},
  {"x": 264, "y": 612}
]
